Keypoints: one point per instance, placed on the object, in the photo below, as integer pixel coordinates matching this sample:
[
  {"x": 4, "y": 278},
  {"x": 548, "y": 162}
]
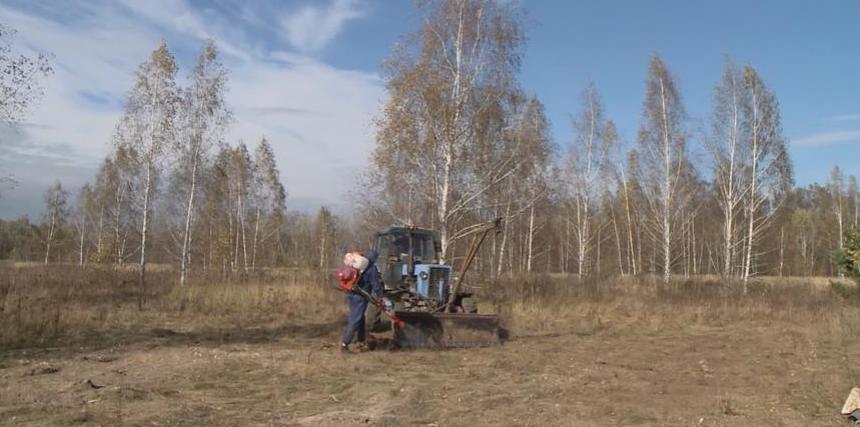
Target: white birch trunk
[
  {"x": 530, "y": 240},
  {"x": 781, "y": 249},
  {"x": 581, "y": 239},
  {"x": 100, "y": 238},
  {"x": 322, "y": 249},
  {"x": 144, "y": 231},
  {"x": 50, "y": 239},
  {"x": 667, "y": 190},
  {"x": 254, "y": 243},
  {"x": 186, "y": 236},
  {"x": 617, "y": 242},
  {"x": 632, "y": 257},
  {"x": 83, "y": 234},
  {"x": 839, "y": 241},
  {"x": 116, "y": 224},
  {"x": 753, "y": 194},
  {"x": 730, "y": 197},
  {"x": 504, "y": 243},
  {"x": 242, "y": 227}
]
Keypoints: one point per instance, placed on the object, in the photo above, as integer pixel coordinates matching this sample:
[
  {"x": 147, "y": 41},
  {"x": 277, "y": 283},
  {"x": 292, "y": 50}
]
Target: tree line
[
  {"x": 173, "y": 191},
  {"x": 459, "y": 142}
]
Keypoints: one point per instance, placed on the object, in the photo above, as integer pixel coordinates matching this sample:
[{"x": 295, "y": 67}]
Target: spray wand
[{"x": 398, "y": 323}]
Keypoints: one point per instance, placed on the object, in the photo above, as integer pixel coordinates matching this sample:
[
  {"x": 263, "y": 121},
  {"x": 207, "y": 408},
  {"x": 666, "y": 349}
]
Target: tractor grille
[
  {"x": 439, "y": 275},
  {"x": 438, "y": 279}
]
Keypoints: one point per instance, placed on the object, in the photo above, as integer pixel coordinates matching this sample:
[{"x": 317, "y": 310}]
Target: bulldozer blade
[{"x": 447, "y": 330}]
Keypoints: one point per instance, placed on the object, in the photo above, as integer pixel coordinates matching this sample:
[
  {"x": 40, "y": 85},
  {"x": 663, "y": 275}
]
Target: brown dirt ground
[{"x": 737, "y": 375}]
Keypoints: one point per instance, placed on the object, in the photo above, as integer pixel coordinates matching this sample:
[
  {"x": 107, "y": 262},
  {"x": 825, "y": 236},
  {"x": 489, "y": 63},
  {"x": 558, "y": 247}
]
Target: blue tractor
[{"x": 426, "y": 295}]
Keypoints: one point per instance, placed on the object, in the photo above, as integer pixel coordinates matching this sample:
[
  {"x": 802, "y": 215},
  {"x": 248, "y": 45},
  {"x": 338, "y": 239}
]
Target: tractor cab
[{"x": 409, "y": 260}]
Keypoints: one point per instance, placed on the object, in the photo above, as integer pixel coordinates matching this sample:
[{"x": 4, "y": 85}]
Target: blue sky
[
  {"x": 806, "y": 51},
  {"x": 307, "y": 75}
]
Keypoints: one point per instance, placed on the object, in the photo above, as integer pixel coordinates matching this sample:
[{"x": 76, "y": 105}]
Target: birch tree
[
  {"x": 56, "y": 212},
  {"x": 98, "y": 204},
  {"x": 325, "y": 232},
  {"x": 86, "y": 204},
  {"x": 115, "y": 181},
  {"x": 663, "y": 157},
  {"x": 20, "y": 76},
  {"x": 204, "y": 117},
  {"x": 535, "y": 149},
  {"x": 269, "y": 197},
  {"x": 20, "y": 84},
  {"x": 442, "y": 83},
  {"x": 149, "y": 124},
  {"x": 769, "y": 171},
  {"x": 239, "y": 178},
  {"x": 623, "y": 169},
  {"x": 528, "y": 138},
  {"x": 728, "y": 159},
  {"x": 218, "y": 218},
  {"x": 837, "y": 193},
  {"x": 586, "y": 164}
]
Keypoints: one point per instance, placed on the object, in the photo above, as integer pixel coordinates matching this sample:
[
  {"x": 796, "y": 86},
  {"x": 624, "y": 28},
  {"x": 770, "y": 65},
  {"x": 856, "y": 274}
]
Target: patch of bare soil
[{"x": 741, "y": 375}]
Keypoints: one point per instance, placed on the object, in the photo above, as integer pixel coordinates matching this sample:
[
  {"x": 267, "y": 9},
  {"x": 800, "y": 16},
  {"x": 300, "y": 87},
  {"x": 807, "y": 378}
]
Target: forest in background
[{"x": 459, "y": 141}]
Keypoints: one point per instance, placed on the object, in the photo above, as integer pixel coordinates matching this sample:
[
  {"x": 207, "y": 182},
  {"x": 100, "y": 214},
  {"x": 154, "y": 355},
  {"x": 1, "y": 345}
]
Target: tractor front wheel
[{"x": 469, "y": 305}]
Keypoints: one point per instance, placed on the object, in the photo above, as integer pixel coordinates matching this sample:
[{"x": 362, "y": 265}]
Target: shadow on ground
[{"x": 176, "y": 337}]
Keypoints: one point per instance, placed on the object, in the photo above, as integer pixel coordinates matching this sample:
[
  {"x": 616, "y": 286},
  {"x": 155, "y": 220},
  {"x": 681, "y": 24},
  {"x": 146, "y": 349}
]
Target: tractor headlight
[{"x": 423, "y": 275}]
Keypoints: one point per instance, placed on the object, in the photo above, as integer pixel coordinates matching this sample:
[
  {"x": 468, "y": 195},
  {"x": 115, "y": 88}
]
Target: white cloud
[
  {"x": 179, "y": 17},
  {"x": 317, "y": 117},
  {"x": 312, "y": 27},
  {"x": 86, "y": 59},
  {"x": 829, "y": 138}
]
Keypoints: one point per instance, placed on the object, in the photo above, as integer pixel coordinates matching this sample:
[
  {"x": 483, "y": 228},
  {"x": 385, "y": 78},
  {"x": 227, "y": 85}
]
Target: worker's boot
[
  {"x": 343, "y": 349},
  {"x": 361, "y": 347}
]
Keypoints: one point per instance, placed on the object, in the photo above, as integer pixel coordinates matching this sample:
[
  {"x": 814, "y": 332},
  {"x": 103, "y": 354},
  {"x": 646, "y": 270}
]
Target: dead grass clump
[
  {"x": 39, "y": 304},
  {"x": 257, "y": 301}
]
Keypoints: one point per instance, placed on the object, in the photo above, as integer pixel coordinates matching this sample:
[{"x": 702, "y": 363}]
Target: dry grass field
[{"x": 76, "y": 350}]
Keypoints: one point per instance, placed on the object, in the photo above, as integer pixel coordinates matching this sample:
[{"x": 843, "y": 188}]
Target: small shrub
[
  {"x": 848, "y": 257},
  {"x": 845, "y": 290}
]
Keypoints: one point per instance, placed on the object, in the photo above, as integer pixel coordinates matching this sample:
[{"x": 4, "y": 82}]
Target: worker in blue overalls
[{"x": 371, "y": 282}]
